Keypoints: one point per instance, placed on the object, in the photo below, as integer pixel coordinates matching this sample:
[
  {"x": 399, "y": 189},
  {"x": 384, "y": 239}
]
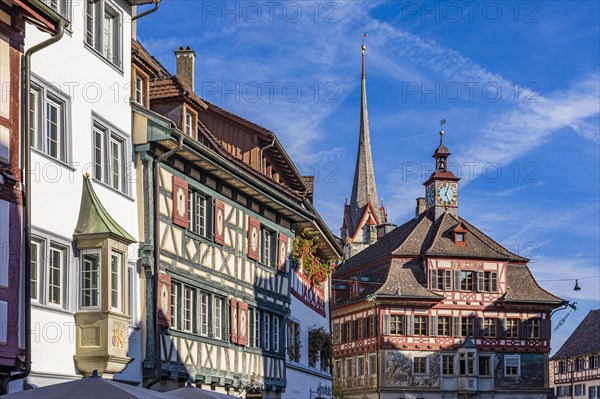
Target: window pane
[
  {"x": 90, "y": 279},
  {"x": 91, "y": 24},
  {"x": 174, "y": 305},
  {"x": 34, "y": 115},
  {"x": 53, "y": 129},
  {"x": 36, "y": 264},
  {"x": 188, "y": 304},
  {"x": 55, "y": 276},
  {"x": 115, "y": 280},
  {"x": 139, "y": 90},
  {"x": 218, "y": 318},
  {"x": 276, "y": 334},
  {"x": 115, "y": 163},
  {"x": 98, "y": 154},
  {"x": 267, "y": 341},
  {"x": 204, "y": 314}
]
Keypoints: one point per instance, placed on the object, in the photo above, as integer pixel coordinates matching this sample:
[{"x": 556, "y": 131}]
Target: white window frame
[
  {"x": 119, "y": 276},
  {"x": 348, "y": 368},
  {"x": 175, "y": 305},
  {"x": 579, "y": 390},
  {"x": 198, "y": 213},
  {"x": 218, "y": 317},
  {"x": 132, "y": 291},
  {"x": 267, "y": 256},
  {"x": 360, "y": 366},
  {"x": 257, "y": 329},
  {"x": 518, "y": 358},
  {"x": 39, "y": 265},
  {"x": 188, "y": 300},
  {"x": 140, "y": 86},
  {"x": 372, "y": 370},
  {"x": 594, "y": 391},
  {"x": 267, "y": 334},
  {"x": 96, "y": 26},
  {"x": 204, "y": 314},
  {"x": 104, "y": 169},
  {"x": 98, "y": 289},
  {"x": 54, "y": 248},
  {"x": 442, "y": 364},
  {"x": 188, "y": 122},
  {"x": 42, "y": 97},
  {"x": 63, "y": 7},
  {"x": 337, "y": 369}
]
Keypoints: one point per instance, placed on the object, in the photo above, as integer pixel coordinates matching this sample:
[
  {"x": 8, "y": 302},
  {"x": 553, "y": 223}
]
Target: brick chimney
[
  {"x": 185, "y": 65},
  {"x": 310, "y": 186},
  {"x": 420, "y": 206}
]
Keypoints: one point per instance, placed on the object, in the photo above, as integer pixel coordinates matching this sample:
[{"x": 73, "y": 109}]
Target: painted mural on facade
[
  {"x": 532, "y": 373},
  {"x": 398, "y": 370}
]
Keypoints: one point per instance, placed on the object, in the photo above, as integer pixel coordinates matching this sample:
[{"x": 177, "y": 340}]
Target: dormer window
[
  {"x": 189, "y": 122},
  {"x": 460, "y": 235}
]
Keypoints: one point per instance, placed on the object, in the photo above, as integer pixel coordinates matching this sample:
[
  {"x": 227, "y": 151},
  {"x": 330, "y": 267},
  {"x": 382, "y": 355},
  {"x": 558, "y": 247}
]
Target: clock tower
[{"x": 441, "y": 189}]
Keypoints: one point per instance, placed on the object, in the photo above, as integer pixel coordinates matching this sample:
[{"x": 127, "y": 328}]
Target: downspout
[
  {"x": 260, "y": 157},
  {"x": 26, "y": 140},
  {"x": 156, "y": 173},
  {"x": 150, "y": 11}
]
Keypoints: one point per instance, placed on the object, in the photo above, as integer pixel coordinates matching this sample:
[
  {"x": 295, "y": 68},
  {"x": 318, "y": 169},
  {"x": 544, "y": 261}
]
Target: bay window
[{"x": 90, "y": 280}]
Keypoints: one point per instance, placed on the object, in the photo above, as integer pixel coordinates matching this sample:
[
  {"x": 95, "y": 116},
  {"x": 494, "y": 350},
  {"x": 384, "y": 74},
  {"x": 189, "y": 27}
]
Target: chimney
[
  {"x": 309, "y": 181},
  {"x": 420, "y": 206},
  {"x": 185, "y": 65},
  {"x": 384, "y": 229}
]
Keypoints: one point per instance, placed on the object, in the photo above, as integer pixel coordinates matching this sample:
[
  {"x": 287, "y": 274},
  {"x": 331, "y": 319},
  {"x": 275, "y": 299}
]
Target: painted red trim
[
  {"x": 219, "y": 224},
  {"x": 180, "y": 188}
]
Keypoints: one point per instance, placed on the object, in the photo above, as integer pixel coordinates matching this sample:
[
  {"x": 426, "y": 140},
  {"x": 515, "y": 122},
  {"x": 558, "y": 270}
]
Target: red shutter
[
  {"x": 219, "y": 222},
  {"x": 242, "y": 323},
  {"x": 233, "y": 322},
  {"x": 253, "y": 238},
  {"x": 283, "y": 252},
  {"x": 180, "y": 202},
  {"x": 164, "y": 299}
]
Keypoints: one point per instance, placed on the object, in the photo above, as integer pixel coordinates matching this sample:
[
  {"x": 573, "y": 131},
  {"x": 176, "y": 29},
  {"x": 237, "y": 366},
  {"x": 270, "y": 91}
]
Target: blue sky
[{"x": 517, "y": 82}]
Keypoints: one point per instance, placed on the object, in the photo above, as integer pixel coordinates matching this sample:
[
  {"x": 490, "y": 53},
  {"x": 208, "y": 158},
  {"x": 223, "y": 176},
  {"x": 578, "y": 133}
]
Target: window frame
[
  {"x": 397, "y": 324},
  {"x": 444, "y": 326},
  {"x": 490, "y": 365},
  {"x": 348, "y": 368},
  {"x": 489, "y": 327},
  {"x": 372, "y": 364},
  {"x": 467, "y": 276},
  {"x": 467, "y": 323},
  {"x": 119, "y": 281},
  {"x": 360, "y": 366},
  {"x": 188, "y": 325},
  {"x": 517, "y": 368},
  {"x": 276, "y": 334},
  {"x": 64, "y": 9},
  {"x": 62, "y": 276},
  {"x": 422, "y": 323},
  {"x": 110, "y": 135},
  {"x": 512, "y": 331},
  {"x": 40, "y": 265},
  {"x": 199, "y": 223},
  {"x": 82, "y": 255},
  {"x": 268, "y": 247},
  {"x": 419, "y": 364},
  {"x": 97, "y": 23},
  {"x": 267, "y": 331},
  {"x": 445, "y": 363},
  {"x": 534, "y": 328}
]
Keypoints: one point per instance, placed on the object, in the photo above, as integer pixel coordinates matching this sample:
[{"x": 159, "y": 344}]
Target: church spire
[{"x": 363, "y": 187}]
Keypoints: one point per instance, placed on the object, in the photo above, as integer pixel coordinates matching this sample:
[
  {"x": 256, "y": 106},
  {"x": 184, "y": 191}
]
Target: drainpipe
[
  {"x": 260, "y": 157},
  {"x": 156, "y": 172},
  {"x": 150, "y": 11},
  {"x": 25, "y": 139}
]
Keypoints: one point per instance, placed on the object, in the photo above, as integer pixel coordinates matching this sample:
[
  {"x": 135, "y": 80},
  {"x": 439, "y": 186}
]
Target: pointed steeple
[{"x": 363, "y": 187}]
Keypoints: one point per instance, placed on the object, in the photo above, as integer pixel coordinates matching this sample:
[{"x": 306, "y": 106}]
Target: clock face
[
  {"x": 180, "y": 202},
  {"x": 447, "y": 193},
  {"x": 254, "y": 239},
  {"x": 429, "y": 195}
]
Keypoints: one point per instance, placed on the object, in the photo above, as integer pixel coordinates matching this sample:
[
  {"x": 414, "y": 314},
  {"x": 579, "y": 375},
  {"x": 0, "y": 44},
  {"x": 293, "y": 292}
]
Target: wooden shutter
[
  {"x": 524, "y": 329},
  {"x": 433, "y": 326},
  {"x": 242, "y": 323},
  {"x": 164, "y": 299},
  {"x": 180, "y": 213},
  {"x": 456, "y": 326},
  {"x": 219, "y": 222},
  {"x": 365, "y": 325},
  {"x": 386, "y": 324},
  {"x": 344, "y": 337},
  {"x": 233, "y": 320},
  {"x": 546, "y": 331},
  {"x": 502, "y": 328},
  {"x": 433, "y": 279},
  {"x": 282, "y": 252},
  {"x": 410, "y": 325},
  {"x": 493, "y": 281},
  {"x": 253, "y": 238},
  {"x": 352, "y": 330},
  {"x": 480, "y": 282},
  {"x": 457, "y": 280},
  {"x": 478, "y": 327}
]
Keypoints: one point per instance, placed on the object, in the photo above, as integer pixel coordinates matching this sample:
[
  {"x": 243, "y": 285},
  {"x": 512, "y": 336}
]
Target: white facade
[
  {"x": 82, "y": 121},
  {"x": 305, "y": 380}
]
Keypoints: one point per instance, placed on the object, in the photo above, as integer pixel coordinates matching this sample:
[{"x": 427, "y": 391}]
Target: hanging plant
[
  {"x": 304, "y": 253},
  {"x": 319, "y": 344}
]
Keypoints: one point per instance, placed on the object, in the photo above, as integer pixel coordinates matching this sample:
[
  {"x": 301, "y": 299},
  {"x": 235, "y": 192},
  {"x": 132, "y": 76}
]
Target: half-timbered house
[
  {"x": 438, "y": 309},
  {"x": 221, "y": 205},
  {"x": 575, "y": 368}
]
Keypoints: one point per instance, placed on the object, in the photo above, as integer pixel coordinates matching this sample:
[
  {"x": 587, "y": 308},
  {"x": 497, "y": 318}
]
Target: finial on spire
[
  {"x": 442, "y": 123},
  {"x": 363, "y": 48}
]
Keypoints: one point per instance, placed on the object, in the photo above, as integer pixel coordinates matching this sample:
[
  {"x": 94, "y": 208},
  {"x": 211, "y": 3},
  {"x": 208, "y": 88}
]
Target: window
[
  {"x": 579, "y": 364},
  {"x": 460, "y": 237},
  {"x": 131, "y": 303},
  {"x": 512, "y": 365},
  {"x": 56, "y": 275},
  {"x": 419, "y": 365},
  {"x": 447, "y": 364},
  {"x": 487, "y": 281},
  {"x": 48, "y": 117},
  {"x": 198, "y": 221},
  {"x": 360, "y": 366},
  {"x": 360, "y": 328},
  {"x": 579, "y": 389},
  {"x": 485, "y": 366},
  {"x": 467, "y": 326},
  {"x": 338, "y": 369},
  {"x": 466, "y": 281},
  {"x": 108, "y": 156},
  {"x": 140, "y": 85},
  {"x": 188, "y": 309},
  {"x": 512, "y": 328},
  {"x": 564, "y": 390},
  {"x": 593, "y": 362},
  {"x": 268, "y": 255},
  {"x": 348, "y": 330},
  {"x": 441, "y": 279},
  {"x": 443, "y": 327},
  {"x": 63, "y": 7},
  {"x": 594, "y": 392},
  {"x": 189, "y": 122},
  {"x": 348, "y": 370},
  {"x": 489, "y": 328},
  {"x": 204, "y": 314},
  {"x": 533, "y": 328},
  {"x": 175, "y": 289},
  {"x": 372, "y": 326},
  {"x": 257, "y": 325},
  {"x": 267, "y": 341},
  {"x": 115, "y": 280},
  {"x": 372, "y": 364},
  {"x": 90, "y": 280},
  {"x": 396, "y": 325},
  {"x": 562, "y": 367},
  {"x": 466, "y": 361},
  {"x": 103, "y": 30},
  {"x": 275, "y": 333},
  {"x": 420, "y": 325},
  {"x": 37, "y": 265},
  {"x": 218, "y": 318}
]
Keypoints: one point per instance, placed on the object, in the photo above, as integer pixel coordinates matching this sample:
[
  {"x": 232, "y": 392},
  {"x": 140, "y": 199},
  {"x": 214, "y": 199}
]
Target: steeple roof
[
  {"x": 363, "y": 186},
  {"x": 94, "y": 219}
]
